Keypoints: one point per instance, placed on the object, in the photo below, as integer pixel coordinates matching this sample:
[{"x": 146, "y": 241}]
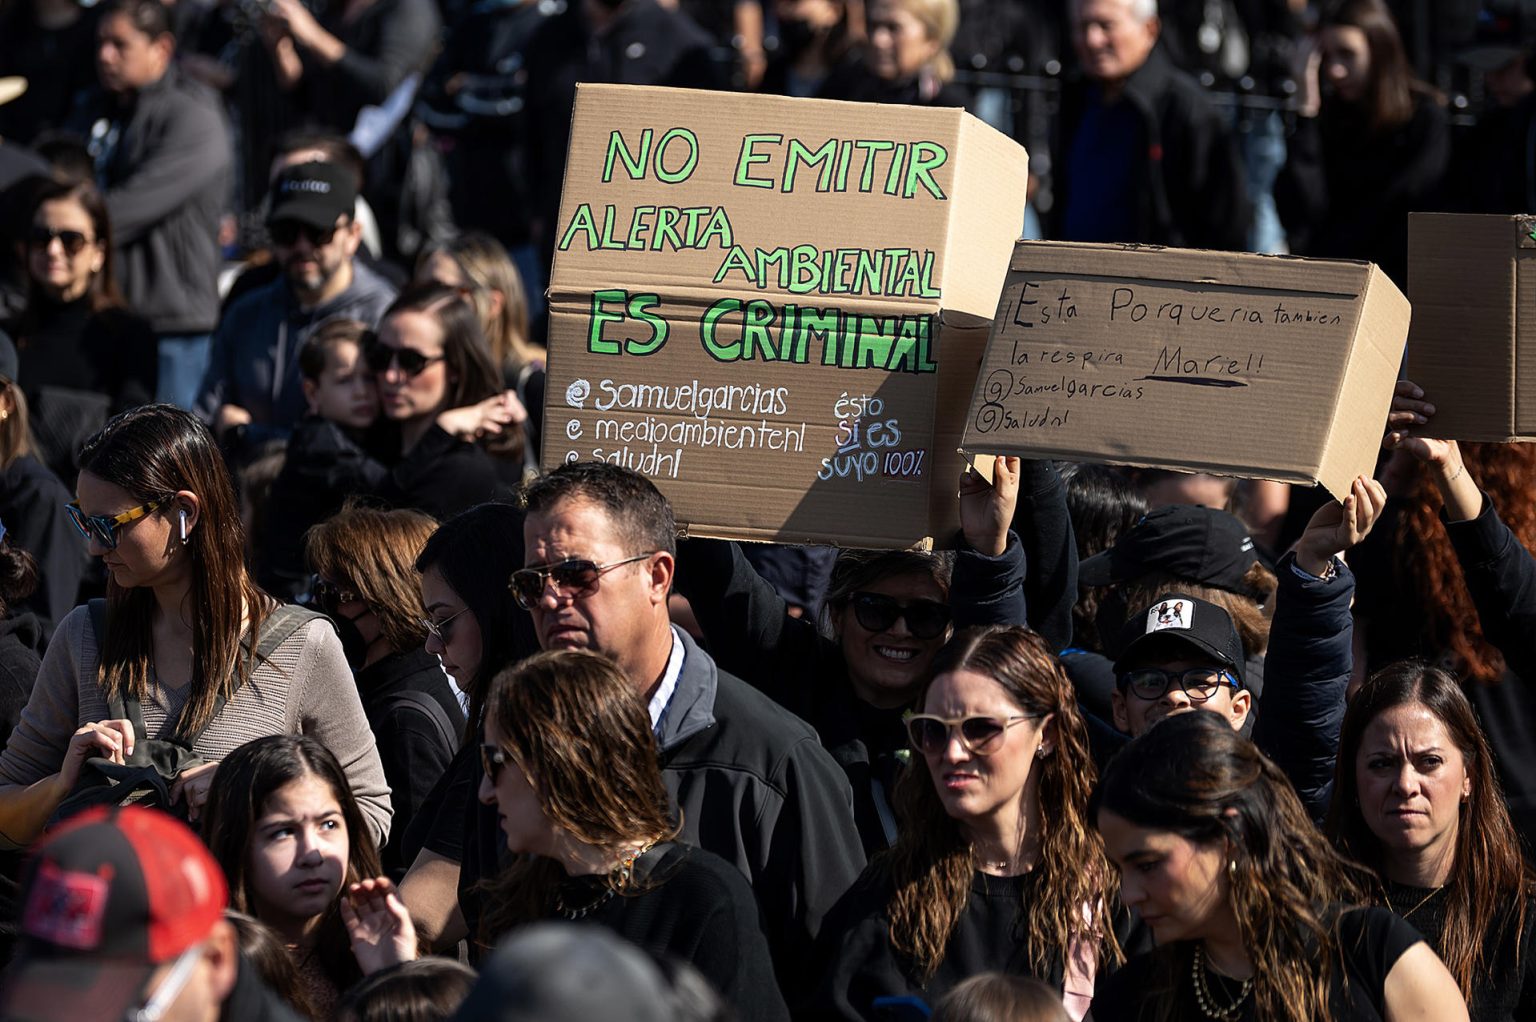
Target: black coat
[
  {"x": 21, "y": 651},
  {"x": 32, "y": 508},
  {"x": 1187, "y": 182},
  {"x": 442, "y": 475}
]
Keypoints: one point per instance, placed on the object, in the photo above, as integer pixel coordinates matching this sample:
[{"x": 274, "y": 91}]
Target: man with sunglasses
[
  {"x": 122, "y": 920},
  {"x": 252, "y": 391},
  {"x": 752, "y": 781}
]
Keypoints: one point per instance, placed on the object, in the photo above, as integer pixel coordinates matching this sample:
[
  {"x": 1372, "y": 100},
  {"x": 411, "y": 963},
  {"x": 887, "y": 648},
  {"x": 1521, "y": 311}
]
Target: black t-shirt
[
  {"x": 1505, "y": 991},
  {"x": 1371, "y": 940}
]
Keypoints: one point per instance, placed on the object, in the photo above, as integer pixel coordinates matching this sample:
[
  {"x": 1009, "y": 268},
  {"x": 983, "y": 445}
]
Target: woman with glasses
[
  {"x": 887, "y": 613},
  {"x": 1254, "y": 913},
  {"x": 570, "y": 767},
  {"x": 474, "y": 628},
  {"x": 82, "y": 354},
  {"x": 182, "y": 623},
  {"x": 429, "y": 357},
  {"x": 997, "y": 866},
  {"x": 365, "y": 580}
]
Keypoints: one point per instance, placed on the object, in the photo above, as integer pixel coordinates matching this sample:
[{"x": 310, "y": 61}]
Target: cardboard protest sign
[
  {"x": 775, "y": 308},
  {"x": 1246, "y": 365},
  {"x": 1472, "y": 347}
]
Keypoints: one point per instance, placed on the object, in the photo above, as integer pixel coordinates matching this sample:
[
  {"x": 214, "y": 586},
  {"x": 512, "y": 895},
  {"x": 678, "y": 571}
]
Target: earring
[
  {"x": 182, "y": 515},
  {"x": 1232, "y": 867}
]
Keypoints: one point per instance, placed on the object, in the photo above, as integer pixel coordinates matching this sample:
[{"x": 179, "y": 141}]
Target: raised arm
[{"x": 1044, "y": 528}]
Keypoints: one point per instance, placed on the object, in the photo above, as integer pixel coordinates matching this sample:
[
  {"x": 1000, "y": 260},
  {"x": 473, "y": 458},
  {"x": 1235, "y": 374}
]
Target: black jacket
[
  {"x": 756, "y": 788},
  {"x": 1187, "y": 181},
  {"x": 415, "y": 743},
  {"x": 32, "y": 508},
  {"x": 166, "y": 181},
  {"x": 387, "y": 41},
  {"x": 21, "y": 651},
  {"x": 442, "y": 475}
]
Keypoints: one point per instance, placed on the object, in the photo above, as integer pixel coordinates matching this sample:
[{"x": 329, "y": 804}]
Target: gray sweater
[{"x": 305, "y": 687}]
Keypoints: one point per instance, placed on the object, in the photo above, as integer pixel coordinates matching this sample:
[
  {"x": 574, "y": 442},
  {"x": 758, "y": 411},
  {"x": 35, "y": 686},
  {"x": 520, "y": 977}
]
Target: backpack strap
[
  {"x": 280, "y": 624},
  {"x": 424, "y": 703}
]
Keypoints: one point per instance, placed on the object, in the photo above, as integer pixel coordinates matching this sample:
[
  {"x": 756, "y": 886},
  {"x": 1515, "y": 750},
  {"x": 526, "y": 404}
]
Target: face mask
[
  {"x": 795, "y": 36},
  {"x": 353, "y": 646}
]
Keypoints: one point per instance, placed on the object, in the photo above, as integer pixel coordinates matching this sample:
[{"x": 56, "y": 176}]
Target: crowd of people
[{"x": 320, "y": 698}]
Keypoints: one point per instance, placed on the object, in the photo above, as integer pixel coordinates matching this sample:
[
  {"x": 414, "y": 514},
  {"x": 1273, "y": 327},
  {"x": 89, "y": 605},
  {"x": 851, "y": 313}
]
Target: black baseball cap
[
  {"x": 314, "y": 194},
  {"x": 1200, "y": 544},
  {"x": 1176, "y": 625},
  {"x": 105, "y": 900}
]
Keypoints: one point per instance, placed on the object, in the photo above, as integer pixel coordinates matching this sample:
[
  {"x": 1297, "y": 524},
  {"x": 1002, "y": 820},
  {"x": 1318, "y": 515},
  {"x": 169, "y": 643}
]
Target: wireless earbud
[{"x": 182, "y": 515}]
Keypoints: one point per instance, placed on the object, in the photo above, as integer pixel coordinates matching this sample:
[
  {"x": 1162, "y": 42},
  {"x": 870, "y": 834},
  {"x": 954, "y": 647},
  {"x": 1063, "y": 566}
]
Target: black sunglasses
[
  {"x": 412, "y": 363},
  {"x": 1199, "y": 683},
  {"x": 41, "y": 237},
  {"x": 573, "y": 578},
  {"x": 287, "y": 233},
  {"x": 326, "y": 593},
  {"x": 492, "y": 759},
  {"x": 926, "y": 619}
]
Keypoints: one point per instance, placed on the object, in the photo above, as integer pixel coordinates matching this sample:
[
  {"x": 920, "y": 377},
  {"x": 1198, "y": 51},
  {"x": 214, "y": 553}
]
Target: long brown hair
[
  {"x": 487, "y": 269},
  {"x": 372, "y": 551},
  {"x": 574, "y": 724},
  {"x": 1389, "y": 97},
  {"x": 932, "y": 864},
  {"x": 1490, "y": 883},
  {"x": 1426, "y": 563},
  {"x": 152, "y": 452},
  {"x": 1193, "y": 775}
]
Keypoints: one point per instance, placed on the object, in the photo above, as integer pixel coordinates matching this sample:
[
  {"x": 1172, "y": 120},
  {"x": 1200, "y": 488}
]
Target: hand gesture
[
  {"x": 986, "y": 509},
  {"x": 380, "y": 927},
  {"x": 487, "y": 418},
  {"x": 1336, "y": 527},
  {"x": 191, "y": 788},
  {"x": 1409, "y": 409},
  {"x": 296, "y": 20},
  {"x": 109, "y": 739}
]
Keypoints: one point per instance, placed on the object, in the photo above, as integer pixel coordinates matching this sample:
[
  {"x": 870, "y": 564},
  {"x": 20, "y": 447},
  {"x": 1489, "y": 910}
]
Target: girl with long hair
[
  {"x": 1416, "y": 800},
  {"x": 1252, "y": 909},
  {"x": 183, "y": 622},
  {"x": 997, "y": 866},
  {"x": 571, "y": 768},
  {"x": 283, "y": 824}
]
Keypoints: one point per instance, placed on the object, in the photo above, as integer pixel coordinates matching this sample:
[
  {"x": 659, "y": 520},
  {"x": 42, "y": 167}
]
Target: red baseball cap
[{"x": 107, "y": 898}]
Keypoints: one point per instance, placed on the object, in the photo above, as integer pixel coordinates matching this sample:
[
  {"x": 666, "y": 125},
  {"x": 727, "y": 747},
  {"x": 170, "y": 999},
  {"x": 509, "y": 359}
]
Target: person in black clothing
[
  {"x": 364, "y": 560},
  {"x": 430, "y": 357},
  {"x": 52, "y": 44},
  {"x": 906, "y": 58},
  {"x": 1250, "y": 906},
  {"x": 84, "y": 354},
  {"x": 997, "y": 866},
  {"x": 1371, "y": 145},
  {"x": 814, "y": 38},
  {"x": 1417, "y": 801},
  {"x": 889, "y": 613},
  {"x": 21, "y": 638}
]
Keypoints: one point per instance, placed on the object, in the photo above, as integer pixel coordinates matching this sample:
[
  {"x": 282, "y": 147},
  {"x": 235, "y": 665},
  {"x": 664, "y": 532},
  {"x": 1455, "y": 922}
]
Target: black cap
[
  {"x": 1172, "y": 627},
  {"x": 1200, "y": 544},
  {"x": 314, "y": 194},
  {"x": 1500, "y": 37},
  {"x": 9, "y": 365}
]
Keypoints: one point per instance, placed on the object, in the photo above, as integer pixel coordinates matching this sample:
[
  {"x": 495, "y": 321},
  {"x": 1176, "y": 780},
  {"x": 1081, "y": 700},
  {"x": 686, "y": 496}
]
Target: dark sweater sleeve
[
  {"x": 858, "y": 962},
  {"x": 1306, "y": 674},
  {"x": 1050, "y": 551},
  {"x": 1501, "y": 576},
  {"x": 406, "y": 36},
  {"x": 988, "y": 590},
  {"x": 1301, "y": 190}
]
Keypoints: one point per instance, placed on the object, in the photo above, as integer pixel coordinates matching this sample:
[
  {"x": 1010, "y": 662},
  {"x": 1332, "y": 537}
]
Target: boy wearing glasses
[{"x": 253, "y": 390}]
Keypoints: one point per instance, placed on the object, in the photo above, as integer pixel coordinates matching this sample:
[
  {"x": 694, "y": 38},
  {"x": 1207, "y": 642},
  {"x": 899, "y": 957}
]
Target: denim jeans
[
  {"x": 1263, "y": 156},
  {"x": 183, "y": 361}
]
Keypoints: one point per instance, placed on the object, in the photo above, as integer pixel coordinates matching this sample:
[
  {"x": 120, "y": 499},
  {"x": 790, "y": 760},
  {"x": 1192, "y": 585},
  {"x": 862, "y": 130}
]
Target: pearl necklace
[{"x": 1207, "y": 1001}]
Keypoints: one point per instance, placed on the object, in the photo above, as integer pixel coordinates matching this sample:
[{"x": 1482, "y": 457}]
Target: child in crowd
[
  {"x": 426, "y": 990},
  {"x": 284, "y": 826}
]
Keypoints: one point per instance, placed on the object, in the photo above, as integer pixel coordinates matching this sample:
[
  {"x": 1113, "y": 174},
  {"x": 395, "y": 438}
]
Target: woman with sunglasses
[
  {"x": 571, "y": 770},
  {"x": 887, "y": 614},
  {"x": 474, "y": 628},
  {"x": 1254, "y": 913},
  {"x": 997, "y": 866},
  {"x": 82, "y": 354},
  {"x": 365, "y": 580},
  {"x": 428, "y": 358},
  {"x": 182, "y": 620}
]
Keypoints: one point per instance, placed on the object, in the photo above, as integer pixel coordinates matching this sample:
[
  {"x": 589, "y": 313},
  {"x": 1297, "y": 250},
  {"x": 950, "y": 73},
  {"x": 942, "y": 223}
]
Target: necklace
[
  {"x": 1207, "y": 1001},
  {"x": 580, "y": 912},
  {"x": 1422, "y": 902},
  {"x": 625, "y": 871}
]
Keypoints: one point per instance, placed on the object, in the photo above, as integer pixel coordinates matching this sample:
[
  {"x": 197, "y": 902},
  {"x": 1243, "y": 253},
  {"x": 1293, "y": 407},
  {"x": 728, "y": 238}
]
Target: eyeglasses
[
  {"x": 170, "y": 988},
  {"x": 978, "y": 735},
  {"x": 287, "y": 233},
  {"x": 326, "y": 593},
  {"x": 379, "y": 357},
  {"x": 573, "y": 578},
  {"x": 104, "y": 528},
  {"x": 441, "y": 630},
  {"x": 41, "y": 237},
  {"x": 492, "y": 759},
  {"x": 1199, "y": 683},
  {"x": 926, "y": 619}
]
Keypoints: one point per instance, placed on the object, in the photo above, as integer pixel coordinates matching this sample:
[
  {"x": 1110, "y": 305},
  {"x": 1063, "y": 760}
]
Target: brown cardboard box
[
  {"x": 1472, "y": 347},
  {"x": 775, "y": 308},
  {"x": 1272, "y": 367}
]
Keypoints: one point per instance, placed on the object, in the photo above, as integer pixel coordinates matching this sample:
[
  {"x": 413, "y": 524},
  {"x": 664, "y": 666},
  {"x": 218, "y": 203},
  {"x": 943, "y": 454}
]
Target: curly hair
[
  {"x": 1426, "y": 563},
  {"x": 1192, "y": 775},
  {"x": 932, "y": 863}
]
